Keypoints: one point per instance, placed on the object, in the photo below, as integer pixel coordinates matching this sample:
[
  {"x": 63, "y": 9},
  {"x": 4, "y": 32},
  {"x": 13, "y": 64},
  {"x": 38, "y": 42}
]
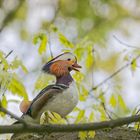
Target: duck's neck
[{"x": 66, "y": 79}]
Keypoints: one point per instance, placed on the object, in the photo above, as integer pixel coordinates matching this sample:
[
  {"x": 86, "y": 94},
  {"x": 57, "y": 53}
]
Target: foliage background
[{"x": 35, "y": 30}]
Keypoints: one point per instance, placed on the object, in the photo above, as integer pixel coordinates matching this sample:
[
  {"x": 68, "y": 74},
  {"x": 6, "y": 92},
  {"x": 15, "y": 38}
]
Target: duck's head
[{"x": 62, "y": 64}]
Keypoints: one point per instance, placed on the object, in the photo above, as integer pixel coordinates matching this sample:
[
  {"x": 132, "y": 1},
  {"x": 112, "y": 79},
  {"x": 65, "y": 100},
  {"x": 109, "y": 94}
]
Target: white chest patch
[{"x": 63, "y": 103}]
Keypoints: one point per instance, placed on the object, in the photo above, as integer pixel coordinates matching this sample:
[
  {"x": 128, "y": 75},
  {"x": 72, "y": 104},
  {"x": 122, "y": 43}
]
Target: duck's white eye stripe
[{"x": 67, "y": 56}]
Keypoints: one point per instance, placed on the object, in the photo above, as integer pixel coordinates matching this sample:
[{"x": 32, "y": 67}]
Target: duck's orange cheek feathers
[{"x": 59, "y": 69}]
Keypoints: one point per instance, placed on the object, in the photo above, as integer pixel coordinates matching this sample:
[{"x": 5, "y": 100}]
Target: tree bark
[{"x": 121, "y": 133}]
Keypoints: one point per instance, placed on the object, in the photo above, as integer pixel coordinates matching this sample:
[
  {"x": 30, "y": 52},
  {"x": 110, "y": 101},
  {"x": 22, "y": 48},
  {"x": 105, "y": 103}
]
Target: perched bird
[{"x": 60, "y": 97}]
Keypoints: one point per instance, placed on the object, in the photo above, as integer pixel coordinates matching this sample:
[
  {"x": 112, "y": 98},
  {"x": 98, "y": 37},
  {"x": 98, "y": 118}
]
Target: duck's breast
[{"x": 63, "y": 103}]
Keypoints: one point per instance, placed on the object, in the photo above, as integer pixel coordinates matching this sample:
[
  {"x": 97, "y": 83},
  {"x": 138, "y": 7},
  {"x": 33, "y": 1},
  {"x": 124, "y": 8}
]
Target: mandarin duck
[{"x": 60, "y": 97}]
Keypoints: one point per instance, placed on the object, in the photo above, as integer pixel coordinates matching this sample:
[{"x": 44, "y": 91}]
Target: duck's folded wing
[{"x": 43, "y": 97}]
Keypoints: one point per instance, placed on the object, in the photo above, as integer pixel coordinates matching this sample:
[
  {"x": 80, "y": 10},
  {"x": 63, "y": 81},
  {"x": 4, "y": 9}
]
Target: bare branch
[
  {"x": 120, "y": 69},
  {"x": 125, "y": 44},
  {"x": 115, "y": 73},
  {"x": 30, "y": 128},
  {"x": 49, "y": 44},
  {"x": 11, "y": 15},
  {"x": 9, "y": 54},
  {"x": 12, "y": 115},
  {"x": 107, "y": 113}
]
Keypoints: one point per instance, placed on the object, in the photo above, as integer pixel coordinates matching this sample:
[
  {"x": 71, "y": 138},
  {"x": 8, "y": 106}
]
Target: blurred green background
[{"x": 103, "y": 34}]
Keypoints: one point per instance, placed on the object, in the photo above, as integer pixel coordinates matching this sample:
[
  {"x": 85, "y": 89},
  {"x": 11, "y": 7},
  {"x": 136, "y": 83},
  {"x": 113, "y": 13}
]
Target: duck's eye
[{"x": 68, "y": 59}]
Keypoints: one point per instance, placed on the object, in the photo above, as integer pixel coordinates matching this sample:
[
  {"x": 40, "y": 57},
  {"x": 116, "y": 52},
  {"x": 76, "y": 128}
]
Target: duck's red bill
[{"x": 75, "y": 66}]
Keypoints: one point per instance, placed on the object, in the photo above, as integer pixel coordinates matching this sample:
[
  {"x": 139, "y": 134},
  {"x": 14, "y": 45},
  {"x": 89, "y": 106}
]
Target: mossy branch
[{"x": 50, "y": 128}]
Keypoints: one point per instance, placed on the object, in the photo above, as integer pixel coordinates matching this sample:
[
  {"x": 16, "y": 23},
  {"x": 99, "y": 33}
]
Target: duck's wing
[{"x": 43, "y": 97}]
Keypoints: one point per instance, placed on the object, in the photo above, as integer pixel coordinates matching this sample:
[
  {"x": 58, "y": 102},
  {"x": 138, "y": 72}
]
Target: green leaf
[
  {"x": 35, "y": 39},
  {"x": 76, "y": 109},
  {"x": 121, "y": 102},
  {"x": 89, "y": 58},
  {"x": 78, "y": 76},
  {"x": 103, "y": 116},
  {"x": 135, "y": 110},
  {"x": 133, "y": 65},
  {"x": 82, "y": 135},
  {"x": 101, "y": 94},
  {"x": 24, "y": 68},
  {"x": 126, "y": 58},
  {"x": 4, "y": 104},
  {"x": 43, "y": 38},
  {"x": 101, "y": 97},
  {"x": 89, "y": 61},
  {"x": 42, "y": 47},
  {"x": 91, "y": 117},
  {"x": 43, "y": 80},
  {"x": 65, "y": 41},
  {"x": 83, "y": 93},
  {"x": 3, "y": 61},
  {"x": 53, "y": 118},
  {"x": 16, "y": 63},
  {"x": 53, "y": 28},
  {"x": 91, "y": 134},
  {"x": 79, "y": 52},
  {"x": 137, "y": 125},
  {"x": 16, "y": 87},
  {"x": 80, "y": 116},
  {"x": 112, "y": 100}
]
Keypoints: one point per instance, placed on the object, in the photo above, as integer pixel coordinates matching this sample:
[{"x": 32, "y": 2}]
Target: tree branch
[
  {"x": 115, "y": 73},
  {"x": 7, "y": 55},
  {"x": 120, "y": 69},
  {"x": 12, "y": 115},
  {"x": 125, "y": 44},
  {"x": 30, "y": 128},
  {"x": 11, "y": 15}
]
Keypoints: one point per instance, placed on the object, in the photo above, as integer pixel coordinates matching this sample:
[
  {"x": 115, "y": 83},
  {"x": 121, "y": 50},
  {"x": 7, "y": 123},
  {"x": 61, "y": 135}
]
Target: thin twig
[
  {"x": 115, "y": 73},
  {"x": 120, "y": 69},
  {"x": 11, "y": 15},
  {"x": 49, "y": 44},
  {"x": 2, "y": 109},
  {"x": 94, "y": 61},
  {"x": 1, "y": 62},
  {"x": 106, "y": 111},
  {"x": 7, "y": 55},
  {"x": 53, "y": 20},
  {"x": 6, "y": 85},
  {"x": 125, "y": 44}
]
